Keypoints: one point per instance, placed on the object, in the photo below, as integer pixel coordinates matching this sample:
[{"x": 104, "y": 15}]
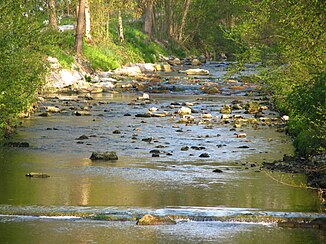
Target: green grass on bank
[{"x": 107, "y": 54}]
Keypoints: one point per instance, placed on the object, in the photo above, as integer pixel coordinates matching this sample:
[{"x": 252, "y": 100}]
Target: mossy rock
[{"x": 104, "y": 156}]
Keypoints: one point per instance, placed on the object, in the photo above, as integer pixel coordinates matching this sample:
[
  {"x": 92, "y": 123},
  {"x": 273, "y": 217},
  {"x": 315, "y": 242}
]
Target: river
[{"x": 176, "y": 179}]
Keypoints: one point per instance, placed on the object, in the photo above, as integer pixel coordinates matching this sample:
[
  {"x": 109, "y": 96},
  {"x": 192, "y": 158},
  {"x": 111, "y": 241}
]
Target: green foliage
[
  {"x": 307, "y": 105},
  {"x": 289, "y": 38},
  {"x": 59, "y": 45},
  {"x": 21, "y": 60}
]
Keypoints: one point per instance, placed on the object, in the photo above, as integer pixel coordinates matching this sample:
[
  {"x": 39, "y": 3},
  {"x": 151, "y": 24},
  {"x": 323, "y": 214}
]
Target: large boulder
[
  {"x": 104, "y": 156},
  {"x": 149, "y": 219},
  {"x": 197, "y": 72}
]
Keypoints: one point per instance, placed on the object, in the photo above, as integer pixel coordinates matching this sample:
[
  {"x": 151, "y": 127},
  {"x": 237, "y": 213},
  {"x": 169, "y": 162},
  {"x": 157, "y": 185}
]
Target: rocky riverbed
[{"x": 168, "y": 144}]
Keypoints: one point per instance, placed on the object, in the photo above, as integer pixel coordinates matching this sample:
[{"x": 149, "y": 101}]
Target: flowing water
[{"x": 173, "y": 183}]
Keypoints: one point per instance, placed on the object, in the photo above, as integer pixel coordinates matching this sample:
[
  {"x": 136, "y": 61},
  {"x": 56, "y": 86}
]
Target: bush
[{"x": 21, "y": 60}]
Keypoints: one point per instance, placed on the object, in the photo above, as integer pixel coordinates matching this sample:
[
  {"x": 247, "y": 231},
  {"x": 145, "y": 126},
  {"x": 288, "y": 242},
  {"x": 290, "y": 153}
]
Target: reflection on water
[{"x": 131, "y": 182}]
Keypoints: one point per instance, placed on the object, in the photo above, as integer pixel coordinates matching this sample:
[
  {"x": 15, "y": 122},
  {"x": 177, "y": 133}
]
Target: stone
[
  {"x": 210, "y": 89},
  {"x": 184, "y": 111},
  {"x": 204, "y": 155},
  {"x": 145, "y": 96},
  {"x": 149, "y": 219},
  {"x": 217, "y": 171},
  {"x": 45, "y": 114},
  {"x": 82, "y": 113},
  {"x": 83, "y": 137},
  {"x": 197, "y": 72},
  {"x": 150, "y": 139},
  {"x": 195, "y": 62},
  {"x": 241, "y": 135},
  {"x": 16, "y": 144},
  {"x": 252, "y": 108},
  {"x": 147, "y": 67},
  {"x": 153, "y": 109},
  {"x": 185, "y": 148},
  {"x": 175, "y": 61},
  {"x": 128, "y": 71},
  {"x": 105, "y": 156},
  {"x": 285, "y": 118},
  {"x": 167, "y": 68},
  {"x": 226, "y": 109},
  {"x": 37, "y": 175},
  {"x": 206, "y": 116},
  {"x": 116, "y": 132},
  {"x": 52, "y": 109},
  {"x": 143, "y": 115}
]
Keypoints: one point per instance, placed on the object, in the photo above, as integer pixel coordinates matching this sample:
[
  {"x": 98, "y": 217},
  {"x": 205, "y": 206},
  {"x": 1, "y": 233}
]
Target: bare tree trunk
[
  {"x": 88, "y": 22},
  {"x": 80, "y": 28},
  {"x": 148, "y": 25},
  {"x": 53, "y": 15},
  {"x": 121, "y": 34},
  {"x": 169, "y": 19},
  {"x": 183, "y": 21}
]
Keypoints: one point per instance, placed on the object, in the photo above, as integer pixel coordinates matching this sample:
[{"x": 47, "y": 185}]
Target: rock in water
[
  {"x": 252, "y": 107},
  {"x": 37, "y": 175},
  {"x": 105, "y": 156},
  {"x": 149, "y": 219},
  {"x": 197, "y": 72},
  {"x": 217, "y": 171},
  {"x": 184, "y": 111}
]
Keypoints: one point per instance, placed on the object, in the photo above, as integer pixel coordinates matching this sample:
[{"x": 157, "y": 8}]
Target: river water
[{"x": 173, "y": 183}]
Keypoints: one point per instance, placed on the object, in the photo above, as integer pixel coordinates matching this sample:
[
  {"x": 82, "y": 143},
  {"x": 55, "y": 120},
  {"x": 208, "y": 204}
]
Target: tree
[
  {"x": 53, "y": 15},
  {"x": 184, "y": 18},
  {"x": 121, "y": 31},
  {"x": 88, "y": 22},
  {"x": 148, "y": 22},
  {"x": 80, "y": 28}
]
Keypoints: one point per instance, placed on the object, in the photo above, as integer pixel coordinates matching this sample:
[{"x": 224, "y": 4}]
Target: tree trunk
[
  {"x": 80, "y": 28},
  {"x": 53, "y": 15},
  {"x": 121, "y": 34},
  {"x": 183, "y": 21},
  {"x": 169, "y": 19},
  {"x": 148, "y": 25},
  {"x": 88, "y": 22}
]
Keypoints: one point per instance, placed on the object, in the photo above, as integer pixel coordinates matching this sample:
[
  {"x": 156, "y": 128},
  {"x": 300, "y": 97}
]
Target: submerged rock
[
  {"x": 104, "y": 156},
  {"x": 37, "y": 175},
  {"x": 149, "y": 219},
  {"x": 16, "y": 144},
  {"x": 83, "y": 137}
]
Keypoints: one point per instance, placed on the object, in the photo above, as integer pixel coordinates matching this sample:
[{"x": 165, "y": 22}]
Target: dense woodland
[{"x": 286, "y": 36}]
